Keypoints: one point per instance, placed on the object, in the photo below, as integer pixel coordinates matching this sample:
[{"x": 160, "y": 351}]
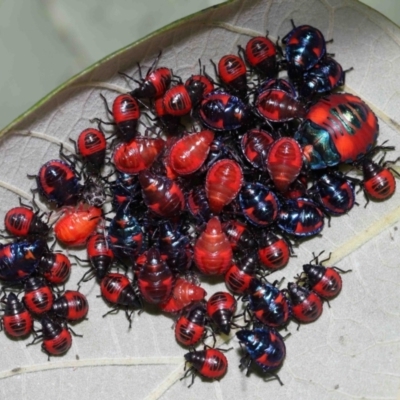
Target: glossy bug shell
[
  {"x": 162, "y": 195},
  {"x": 20, "y": 259},
  {"x": 72, "y": 305},
  {"x": 155, "y": 279},
  {"x": 154, "y": 84},
  {"x": 200, "y": 80},
  {"x": 188, "y": 154},
  {"x": 57, "y": 339},
  {"x": 255, "y": 145},
  {"x": 259, "y": 205},
  {"x": 338, "y": 128},
  {"x": 212, "y": 250},
  {"x": 240, "y": 275},
  {"x": 379, "y": 183},
  {"x": 190, "y": 328},
  {"x": 323, "y": 77},
  {"x": 76, "y": 225},
  {"x": 221, "y": 307},
  {"x": 260, "y": 53},
  {"x": 223, "y": 182},
  {"x": 56, "y": 267},
  {"x": 326, "y": 282},
  {"x": 301, "y": 218},
  {"x": 38, "y": 297},
  {"x": 100, "y": 254},
  {"x": 239, "y": 235},
  {"x": 117, "y": 289},
  {"x": 274, "y": 251},
  {"x": 92, "y": 147},
  {"x": 265, "y": 347},
  {"x": 58, "y": 183},
  {"x": 284, "y": 162},
  {"x": 306, "y": 304},
  {"x": 232, "y": 73},
  {"x": 17, "y": 321},
  {"x": 137, "y": 155},
  {"x": 305, "y": 46},
  {"x": 335, "y": 194},
  {"x": 177, "y": 101},
  {"x": 22, "y": 221},
  {"x": 210, "y": 363},
  {"x": 220, "y": 111},
  {"x": 126, "y": 114},
  {"x": 269, "y": 305},
  {"x": 186, "y": 292},
  {"x": 276, "y": 105}
]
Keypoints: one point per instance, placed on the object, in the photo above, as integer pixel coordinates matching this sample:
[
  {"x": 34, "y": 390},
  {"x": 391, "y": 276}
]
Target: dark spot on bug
[{"x": 16, "y": 370}]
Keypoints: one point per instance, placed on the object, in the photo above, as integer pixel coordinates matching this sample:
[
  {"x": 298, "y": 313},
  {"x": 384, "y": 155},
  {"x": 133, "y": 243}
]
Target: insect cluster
[{"x": 261, "y": 169}]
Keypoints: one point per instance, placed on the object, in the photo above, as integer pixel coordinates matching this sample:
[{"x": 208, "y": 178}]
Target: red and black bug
[
  {"x": 259, "y": 204},
  {"x": 77, "y": 224},
  {"x": 203, "y": 81},
  {"x": 260, "y": 54},
  {"x": 268, "y": 304},
  {"x": 306, "y": 304},
  {"x": 265, "y": 347},
  {"x": 23, "y": 221},
  {"x": 338, "y": 128},
  {"x": 334, "y": 192},
  {"x": 38, "y": 297},
  {"x": 162, "y": 195},
  {"x": 17, "y": 320},
  {"x": 191, "y": 327},
  {"x": 212, "y": 251},
  {"x": 277, "y": 105},
  {"x": 240, "y": 275},
  {"x": 174, "y": 248},
  {"x": 221, "y": 111},
  {"x": 379, "y": 181},
  {"x": 255, "y": 145},
  {"x": 118, "y": 290},
  {"x": 300, "y": 217},
  {"x": 181, "y": 100},
  {"x": 57, "y": 339},
  {"x": 304, "y": 47},
  {"x": 325, "y": 282},
  {"x": 221, "y": 307},
  {"x": 210, "y": 363},
  {"x": 223, "y": 182},
  {"x": 126, "y": 113},
  {"x": 125, "y": 235},
  {"x": 58, "y": 183},
  {"x": 72, "y": 305},
  {"x": 55, "y": 267},
  {"x": 137, "y": 155},
  {"x": 99, "y": 254},
  {"x": 155, "y": 279},
  {"x": 273, "y": 251},
  {"x": 154, "y": 84},
  {"x": 232, "y": 73},
  {"x": 20, "y": 259},
  {"x": 323, "y": 77},
  {"x": 239, "y": 235},
  {"x": 91, "y": 145},
  {"x": 284, "y": 162},
  {"x": 189, "y": 153}
]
